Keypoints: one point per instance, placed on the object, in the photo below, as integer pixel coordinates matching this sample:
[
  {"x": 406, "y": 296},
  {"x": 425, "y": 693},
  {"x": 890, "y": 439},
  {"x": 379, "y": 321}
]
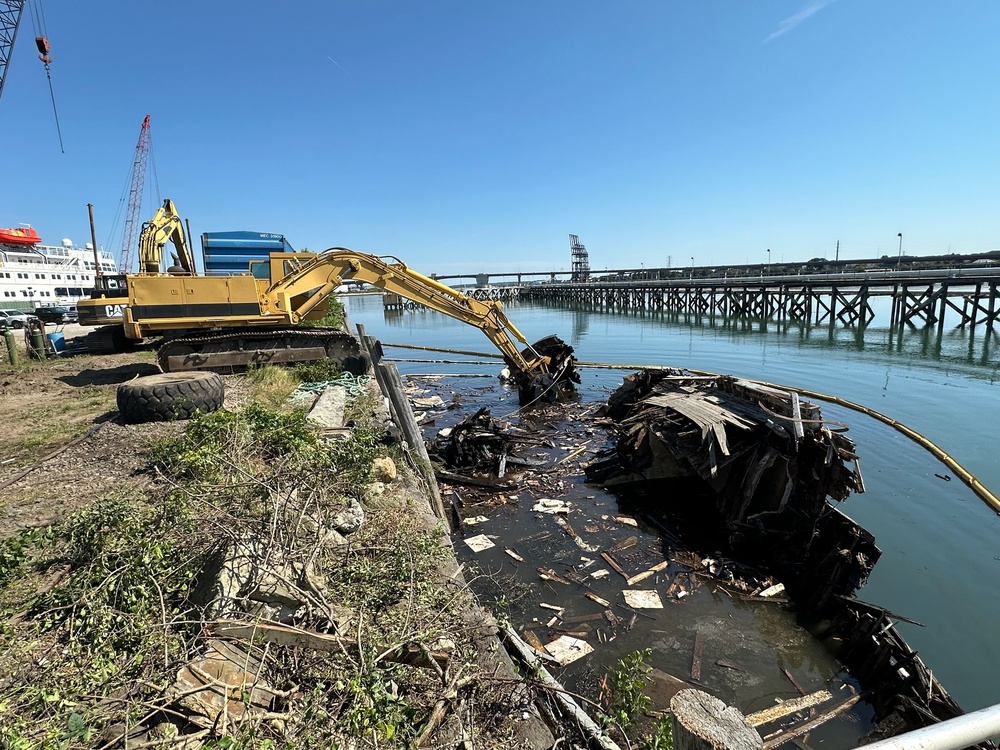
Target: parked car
[
  {"x": 57, "y": 314},
  {"x": 14, "y": 318}
]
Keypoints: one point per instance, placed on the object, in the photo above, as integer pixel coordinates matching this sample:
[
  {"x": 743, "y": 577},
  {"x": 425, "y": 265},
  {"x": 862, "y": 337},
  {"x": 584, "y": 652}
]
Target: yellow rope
[{"x": 964, "y": 474}]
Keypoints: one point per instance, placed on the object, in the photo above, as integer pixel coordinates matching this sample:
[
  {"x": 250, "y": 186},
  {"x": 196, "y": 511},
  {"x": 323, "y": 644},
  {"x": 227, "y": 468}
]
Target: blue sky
[{"x": 465, "y": 136}]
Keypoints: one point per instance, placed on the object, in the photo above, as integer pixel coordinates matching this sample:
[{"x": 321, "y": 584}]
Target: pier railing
[{"x": 917, "y": 296}]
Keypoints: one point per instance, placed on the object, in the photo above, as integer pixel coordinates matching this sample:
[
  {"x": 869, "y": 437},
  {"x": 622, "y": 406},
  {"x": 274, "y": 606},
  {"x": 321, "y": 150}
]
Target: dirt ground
[{"x": 64, "y": 444}]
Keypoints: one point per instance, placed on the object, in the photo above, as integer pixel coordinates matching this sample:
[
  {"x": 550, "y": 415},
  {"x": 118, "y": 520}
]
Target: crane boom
[
  {"x": 10, "y": 22},
  {"x": 136, "y": 184}
]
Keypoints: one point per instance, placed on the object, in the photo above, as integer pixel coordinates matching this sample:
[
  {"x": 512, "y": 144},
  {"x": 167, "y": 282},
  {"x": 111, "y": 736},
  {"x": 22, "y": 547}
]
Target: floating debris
[
  {"x": 479, "y": 543},
  {"x": 642, "y": 599},
  {"x": 548, "y": 505},
  {"x": 566, "y": 649}
]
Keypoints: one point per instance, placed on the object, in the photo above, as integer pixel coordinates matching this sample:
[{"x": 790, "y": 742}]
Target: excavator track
[{"x": 234, "y": 351}]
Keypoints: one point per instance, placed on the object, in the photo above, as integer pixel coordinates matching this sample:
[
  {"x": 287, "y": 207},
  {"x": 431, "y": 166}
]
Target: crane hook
[{"x": 43, "y": 49}]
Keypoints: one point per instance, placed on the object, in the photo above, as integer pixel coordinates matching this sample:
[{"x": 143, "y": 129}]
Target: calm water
[{"x": 941, "y": 554}]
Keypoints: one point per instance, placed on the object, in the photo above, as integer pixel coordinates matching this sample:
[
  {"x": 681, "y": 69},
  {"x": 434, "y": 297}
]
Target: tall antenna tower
[
  {"x": 581, "y": 261},
  {"x": 132, "y": 219}
]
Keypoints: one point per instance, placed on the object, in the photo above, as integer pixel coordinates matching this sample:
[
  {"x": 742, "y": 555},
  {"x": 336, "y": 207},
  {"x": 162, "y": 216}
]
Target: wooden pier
[{"x": 968, "y": 297}]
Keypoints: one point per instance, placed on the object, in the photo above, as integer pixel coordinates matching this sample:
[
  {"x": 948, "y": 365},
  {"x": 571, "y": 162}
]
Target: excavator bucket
[{"x": 555, "y": 381}]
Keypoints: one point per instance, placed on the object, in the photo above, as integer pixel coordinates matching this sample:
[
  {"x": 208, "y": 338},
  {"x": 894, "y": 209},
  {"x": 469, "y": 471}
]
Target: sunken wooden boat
[{"x": 765, "y": 472}]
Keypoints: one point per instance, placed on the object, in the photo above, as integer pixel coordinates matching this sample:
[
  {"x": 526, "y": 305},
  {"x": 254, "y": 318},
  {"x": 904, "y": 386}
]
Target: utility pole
[{"x": 837, "y": 256}]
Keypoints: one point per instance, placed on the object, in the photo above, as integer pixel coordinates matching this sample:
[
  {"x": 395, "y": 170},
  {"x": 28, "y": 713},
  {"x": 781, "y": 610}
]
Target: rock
[
  {"x": 384, "y": 469},
  {"x": 328, "y": 411},
  {"x": 225, "y": 680},
  {"x": 349, "y": 520}
]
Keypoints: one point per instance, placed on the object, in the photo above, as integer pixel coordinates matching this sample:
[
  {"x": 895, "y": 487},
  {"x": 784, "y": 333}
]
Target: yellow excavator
[{"x": 226, "y": 323}]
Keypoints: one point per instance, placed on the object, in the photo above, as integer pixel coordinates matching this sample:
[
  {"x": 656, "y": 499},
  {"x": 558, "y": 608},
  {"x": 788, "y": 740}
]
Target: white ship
[{"x": 35, "y": 274}]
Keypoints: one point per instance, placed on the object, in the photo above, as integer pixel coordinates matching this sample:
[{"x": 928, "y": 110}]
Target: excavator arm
[
  {"x": 298, "y": 293},
  {"x": 166, "y": 225},
  {"x": 228, "y": 322}
]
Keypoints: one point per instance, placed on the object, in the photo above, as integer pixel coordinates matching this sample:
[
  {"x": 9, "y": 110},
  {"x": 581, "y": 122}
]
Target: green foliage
[
  {"x": 15, "y": 552},
  {"x": 372, "y": 709},
  {"x": 661, "y": 738},
  {"x": 96, "y": 594},
  {"x": 126, "y": 574},
  {"x": 216, "y": 445},
  {"x": 626, "y": 685},
  {"x": 334, "y": 317},
  {"x": 318, "y": 371},
  {"x": 353, "y": 458}
]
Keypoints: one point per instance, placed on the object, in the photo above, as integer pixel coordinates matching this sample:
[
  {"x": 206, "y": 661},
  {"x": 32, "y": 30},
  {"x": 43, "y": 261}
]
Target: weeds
[
  {"x": 121, "y": 572},
  {"x": 626, "y": 685},
  {"x": 334, "y": 317},
  {"x": 317, "y": 371},
  {"x": 101, "y": 610},
  {"x": 270, "y": 385}
]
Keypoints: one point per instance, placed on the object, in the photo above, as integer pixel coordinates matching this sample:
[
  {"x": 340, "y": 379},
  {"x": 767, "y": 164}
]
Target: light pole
[
  {"x": 692, "y": 268},
  {"x": 769, "y": 261},
  {"x": 899, "y": 258}
]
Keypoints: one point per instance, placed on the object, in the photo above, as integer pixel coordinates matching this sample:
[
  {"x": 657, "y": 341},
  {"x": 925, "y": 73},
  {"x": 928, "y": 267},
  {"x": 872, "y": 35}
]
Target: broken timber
[{"x": 767, "y": 463}]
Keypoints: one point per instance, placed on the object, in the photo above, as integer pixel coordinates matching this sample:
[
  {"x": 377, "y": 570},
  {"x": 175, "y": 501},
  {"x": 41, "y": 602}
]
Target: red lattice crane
[{"x": 132, "y": 221}]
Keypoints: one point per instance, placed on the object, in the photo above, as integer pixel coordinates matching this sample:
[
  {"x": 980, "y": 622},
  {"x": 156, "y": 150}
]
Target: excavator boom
[
  {"x": 226, "y": 322},
  {"x": 296, "y": 295},
  {"x": 166, "y": 225}
]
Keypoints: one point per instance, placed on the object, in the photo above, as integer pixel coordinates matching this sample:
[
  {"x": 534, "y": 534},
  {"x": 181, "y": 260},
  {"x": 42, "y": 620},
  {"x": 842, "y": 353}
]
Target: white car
[{"x": 14, "y": 318}]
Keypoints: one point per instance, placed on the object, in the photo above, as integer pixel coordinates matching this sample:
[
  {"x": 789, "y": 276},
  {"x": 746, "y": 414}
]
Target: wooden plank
[
  {"x": 786, "y": 708},
  {"x": 617, "y": 568},
  {"x": 547, "y": 574},
  {"x": 787, "y": 735},
  {"x": 624, "y": 544},
  {"x": 599, "y": 600},
  {"x": 696, "y": 657},
  {"x": 647, "y": 573}
]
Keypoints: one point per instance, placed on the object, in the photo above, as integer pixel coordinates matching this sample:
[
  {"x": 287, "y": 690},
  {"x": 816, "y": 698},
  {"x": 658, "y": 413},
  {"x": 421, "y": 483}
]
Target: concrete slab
[{"x": 328, "y": 411}]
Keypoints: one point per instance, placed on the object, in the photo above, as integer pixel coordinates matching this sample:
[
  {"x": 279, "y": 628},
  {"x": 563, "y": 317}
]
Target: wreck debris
[
  {"x": 642, "y": 599},
  {"x": 768, "y": 464},
  {"x": 904, "y": 693},
  {"x": 477, "y": 442},
  {"x": 761, "y": 463},
  {"x": 479, "y": 543}
]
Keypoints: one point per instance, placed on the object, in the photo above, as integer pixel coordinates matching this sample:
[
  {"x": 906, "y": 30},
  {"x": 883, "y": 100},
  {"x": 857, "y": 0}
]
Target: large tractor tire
[{"x": 170, "y": 395}]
